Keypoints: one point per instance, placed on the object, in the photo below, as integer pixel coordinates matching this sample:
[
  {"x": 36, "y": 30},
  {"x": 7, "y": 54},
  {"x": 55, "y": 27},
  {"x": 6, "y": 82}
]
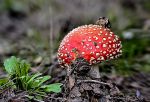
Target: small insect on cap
[{"x": 94, "y": 43}]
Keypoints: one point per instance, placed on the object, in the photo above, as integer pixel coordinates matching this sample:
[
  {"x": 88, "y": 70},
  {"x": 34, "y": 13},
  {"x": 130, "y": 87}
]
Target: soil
[{"x": 109, "y": 88}]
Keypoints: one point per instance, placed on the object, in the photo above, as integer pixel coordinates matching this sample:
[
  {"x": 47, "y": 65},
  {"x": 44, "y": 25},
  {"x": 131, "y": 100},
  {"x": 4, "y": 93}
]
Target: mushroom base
[{"x": 81, "y": 87}]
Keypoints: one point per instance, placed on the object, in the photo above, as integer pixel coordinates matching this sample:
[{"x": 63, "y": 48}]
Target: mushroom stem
[
  {"x": 94, "y": 72},
  {"x": 71, "y": 80}
]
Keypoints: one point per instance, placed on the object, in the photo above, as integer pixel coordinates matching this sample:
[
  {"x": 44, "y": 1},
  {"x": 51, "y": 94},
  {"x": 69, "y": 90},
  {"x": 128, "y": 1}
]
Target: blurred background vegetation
[{"x": 33, "y": 29}]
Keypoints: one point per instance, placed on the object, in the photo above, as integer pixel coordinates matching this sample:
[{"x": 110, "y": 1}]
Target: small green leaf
[
  {"x": 56, "y": 87},
  {"x": 3, "y": 81},
  {"x": 43, "y": 79},
  {"x": 23, "y": 67},
  {"x": 39, "y": 98},
  {"x": 10, "y": 65},
  {"x": 17, "y": 67},
  {"x": 33, "y": 77},
  {"x": 30, "y": 97}
]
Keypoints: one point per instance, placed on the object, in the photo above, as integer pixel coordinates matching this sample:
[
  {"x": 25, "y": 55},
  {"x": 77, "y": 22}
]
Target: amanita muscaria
[{"x": 94, "y": 43}]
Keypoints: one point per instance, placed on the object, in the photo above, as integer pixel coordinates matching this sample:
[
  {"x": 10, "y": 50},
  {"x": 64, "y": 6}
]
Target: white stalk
[{"x": 94, "y": 72}]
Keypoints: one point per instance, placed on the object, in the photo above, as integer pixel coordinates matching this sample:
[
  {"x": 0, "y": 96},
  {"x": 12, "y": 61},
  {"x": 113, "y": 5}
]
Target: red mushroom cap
[{"x": 92, "y": 42}]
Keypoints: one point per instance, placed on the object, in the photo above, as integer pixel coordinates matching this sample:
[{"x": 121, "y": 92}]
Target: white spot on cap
[
  {"x": 109, "y": 46},
  {"x": 91, "y": 32},
  {"x": 62, "y": 47},
  {"x": 101, "y": 57},
  {"x": 84, "y": 40},
  {"x": 92, "y": 58},
  {"x": 112, "y": 57},
  {"x": 97, "y": 47},
  {"x": 110, "y": 41},
  {"x": 83, "y": 52},
  {"x": 104, "y": 38},
  {"x": 114, "y": 46},
  {"x": 114, "y": 52},
  {"x": 114, "y": 40},
  {"x": 87, "y": 44},
  {"x": 109, "y": 37},
  {"x": 91, "y": 52},
  {"x": 117, "y": 38},
  {"x": 120, "y": 51},
  {"x": 104, "y": 52},
  {"x": 97, "y": 54},
  {"x": 108, "y": 29},
  {"x": 111, "y": 32},
  {"x": 98, "y": 59},
  {"x": 99, "y": 34},
  {"x": 104, "y": 45},
  {"x": 96, "y": 38}
]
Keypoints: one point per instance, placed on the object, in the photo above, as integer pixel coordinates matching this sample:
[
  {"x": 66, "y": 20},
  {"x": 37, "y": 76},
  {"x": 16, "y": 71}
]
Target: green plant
[{"x": 18, "y": 71}]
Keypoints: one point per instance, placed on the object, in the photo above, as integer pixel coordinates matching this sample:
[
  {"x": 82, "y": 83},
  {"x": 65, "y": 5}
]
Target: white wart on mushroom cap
[{"x": 92, "y": 42}]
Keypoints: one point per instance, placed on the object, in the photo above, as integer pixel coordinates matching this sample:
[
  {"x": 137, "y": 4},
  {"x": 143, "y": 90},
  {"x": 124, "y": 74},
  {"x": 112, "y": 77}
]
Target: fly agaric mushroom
[{"x": 94, "y": 43}]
